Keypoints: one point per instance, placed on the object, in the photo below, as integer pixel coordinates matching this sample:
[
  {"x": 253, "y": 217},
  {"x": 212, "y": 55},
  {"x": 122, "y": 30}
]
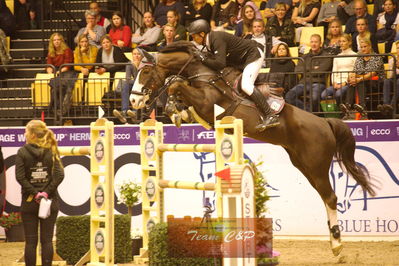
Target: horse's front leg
[{"x": 335, "y": 234}]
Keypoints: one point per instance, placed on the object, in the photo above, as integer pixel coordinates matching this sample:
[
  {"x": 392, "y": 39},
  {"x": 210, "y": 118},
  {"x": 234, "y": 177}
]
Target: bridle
[{"x": 150, "y": 87}]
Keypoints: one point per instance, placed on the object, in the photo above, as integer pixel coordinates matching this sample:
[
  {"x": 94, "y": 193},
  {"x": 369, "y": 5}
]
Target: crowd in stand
[{"x": 277, "y": 24}]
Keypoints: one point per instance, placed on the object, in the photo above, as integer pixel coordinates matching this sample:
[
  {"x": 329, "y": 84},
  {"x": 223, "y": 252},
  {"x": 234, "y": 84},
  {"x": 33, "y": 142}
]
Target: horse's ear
[{"x": 147, "y": 57}]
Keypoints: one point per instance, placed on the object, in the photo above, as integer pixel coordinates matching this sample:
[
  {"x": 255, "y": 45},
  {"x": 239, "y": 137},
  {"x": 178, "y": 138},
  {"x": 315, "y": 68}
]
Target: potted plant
[
  {"x": 129, "y": 194},
  {"x": 12, "y": 224}
]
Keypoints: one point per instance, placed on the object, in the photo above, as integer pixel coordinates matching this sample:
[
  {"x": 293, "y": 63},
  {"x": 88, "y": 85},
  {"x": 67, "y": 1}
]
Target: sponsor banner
[{"x": 295, "y": 206}]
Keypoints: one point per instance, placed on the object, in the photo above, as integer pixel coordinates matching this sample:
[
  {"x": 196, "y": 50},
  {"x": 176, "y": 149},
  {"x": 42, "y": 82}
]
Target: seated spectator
[
  {"x": 109, "y": 54},
  {"x": 93, "y": 31},
  {"x": 281, "y": 25},
  {"x": 268, "y": 41},
  {"x": 362, "y": 32},
  {"x": 244, "y": 27},
  {"x": 332, "y": 42},
  {"x": 345, "y": 10},
  {"x": 174, "y": 19},
  {"x": 328, "y": 13},
  {"x": 241, "y": 4},
  {"x": 270, "y": 8},
  {"x": 367, "y": 77},
  {"x": 304, "y": 15},
  {"x": 84, "y": 53},
  {"x": 360, "y": 9},
  {"x": 126, "y": 86},
  {"x": 314, "y": 82},
  {"x": 388, "y": 102},
  {"x": 387, "y": 25},
  {"x": 25, "y": 15},
  {"x": 147, "y": 35},
  {"x": 7, "y": 19},
  {"x": 224, "y": 15},
  {"x": 282, "y": 70},
  {"x": 120, "y": 33},
  {"x": 169, "y": 33},
  {"x": 161, "y": 10},
  {"x": 198, "y": 9},
  {"x": 100, "y": 20},
  {"x": 5, "y": 58},
  {"x": 58, "y": 54},
  {"x": 340, "y": 72}
]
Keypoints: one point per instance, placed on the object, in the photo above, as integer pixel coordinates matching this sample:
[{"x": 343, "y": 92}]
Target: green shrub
[
  {"x": 158, "y": 250},
  {"x": 73, "y": 238}
]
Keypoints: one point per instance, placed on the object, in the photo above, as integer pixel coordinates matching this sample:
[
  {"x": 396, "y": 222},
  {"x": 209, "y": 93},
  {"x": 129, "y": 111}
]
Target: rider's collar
[{"x": 208, "y": 46}]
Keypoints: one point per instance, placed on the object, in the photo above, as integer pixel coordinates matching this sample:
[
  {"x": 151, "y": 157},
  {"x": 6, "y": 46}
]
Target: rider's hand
[{"x": 199, "y": 55}]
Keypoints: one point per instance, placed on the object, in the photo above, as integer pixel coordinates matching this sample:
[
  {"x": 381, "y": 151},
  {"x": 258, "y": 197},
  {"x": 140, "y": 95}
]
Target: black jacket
[
  {"x": 315, "y": 69},
  {"x": 282, "y": 74},
  {"x": 230, "y": 50},
  {"x": 350, "y": 26},
  {"x": 119, "y": 57},
  {"x": 35, "y": 171}
]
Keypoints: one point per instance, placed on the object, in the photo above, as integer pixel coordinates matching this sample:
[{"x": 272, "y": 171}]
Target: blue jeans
[
  {"x": 125, "y": 94},
  {"x": 388, "y": 86},
  {"x": 337, "y": 94},
  {"x": 292, "y": 96}
]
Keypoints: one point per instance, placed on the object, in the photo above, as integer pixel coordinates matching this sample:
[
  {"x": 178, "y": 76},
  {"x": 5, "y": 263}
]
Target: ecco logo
[
  {"x": 357, "y": 131},
  {"x": 380, "y": 131}
]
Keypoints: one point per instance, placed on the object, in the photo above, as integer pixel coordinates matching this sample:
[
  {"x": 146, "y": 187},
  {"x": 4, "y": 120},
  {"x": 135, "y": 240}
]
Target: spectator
[
  {"x": 93, "y": 31},
  {"x": 268, "y": 41},
  {"x": 164, "y": 6},
  {"x": 169, "y": 32},
  {"x": 368, "y": 76},
  {"x": 100, "y": 20},
  {"x": 224, "y": 15},
  {"x": 108, "y": 55},
  {"x": 345, "y": 10},
  {"x": 243, "y": 3},
  {"x": 270, "y": 8},
  {"x": 173, "y": 19},
  {"x": 7, "y": 19},
  {"x": 120, "y": 33},
  {"x": 58, "y": 54},
  {"x": 282, "y": 70},
  {"x": 314, "y": 82},
  {"x": 340, "y": 72},
  {"x": 244, "y": 27},
  {"x": 39, "y": 171},
  {"x": 388, "y": 102},
  {"x": 198, "y": 9},
  {"x": 281, "y": 25},
  {"x": 332, "y": 42},
  {"x": 25, "y": 15},
  {"x": 362, "y": 32},
  {"x": 147, "y": 35},
  {"x": 304, "y": 15},
  {"x": 328, "y": 13},
  {"x": 379, "y": 7},
  {"x": 360, "y": 9},
  {"x": 387, "y": 25},
  {"x": 126, "y": 85}
]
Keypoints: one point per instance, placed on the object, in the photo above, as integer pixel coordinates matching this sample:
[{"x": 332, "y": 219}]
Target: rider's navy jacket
[{"x": 230, "y": 50}]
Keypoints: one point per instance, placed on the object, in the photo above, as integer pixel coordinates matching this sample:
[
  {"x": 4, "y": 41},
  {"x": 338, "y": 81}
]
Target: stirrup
[{"x": 268, "y": 122}]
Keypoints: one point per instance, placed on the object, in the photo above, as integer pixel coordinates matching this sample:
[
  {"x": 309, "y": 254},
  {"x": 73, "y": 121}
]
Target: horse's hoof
[
  {"x": 176, "y": 119},
  {"x": 337, "y": 250}
]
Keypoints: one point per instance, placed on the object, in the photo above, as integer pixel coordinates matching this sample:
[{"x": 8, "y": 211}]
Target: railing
[{"x": 87, "y": 97}]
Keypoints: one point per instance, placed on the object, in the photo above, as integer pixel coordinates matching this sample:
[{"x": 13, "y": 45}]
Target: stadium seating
[{"x": 95, "y": 88}]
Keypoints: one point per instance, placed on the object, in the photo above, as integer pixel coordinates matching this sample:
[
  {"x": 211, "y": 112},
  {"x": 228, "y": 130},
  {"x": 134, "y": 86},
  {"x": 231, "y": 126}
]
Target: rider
[{"x": 231, "y": 50}]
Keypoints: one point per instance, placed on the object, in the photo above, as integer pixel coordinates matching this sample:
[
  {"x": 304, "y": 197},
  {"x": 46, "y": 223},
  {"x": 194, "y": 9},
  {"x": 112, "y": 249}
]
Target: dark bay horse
[{"x": 310, "y": 141}]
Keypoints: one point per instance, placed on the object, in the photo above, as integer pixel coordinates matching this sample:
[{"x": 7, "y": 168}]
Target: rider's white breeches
[{"x": 250, "y": 74}]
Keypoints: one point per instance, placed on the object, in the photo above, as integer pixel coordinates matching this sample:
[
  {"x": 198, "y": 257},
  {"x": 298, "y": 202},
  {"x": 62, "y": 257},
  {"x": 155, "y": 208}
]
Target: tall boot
[{"x": 270, "y": 119}]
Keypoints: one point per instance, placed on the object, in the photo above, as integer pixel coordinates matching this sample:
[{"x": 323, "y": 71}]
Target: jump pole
[
  {"x": 230, "y": 198},
  {"x": 102, "y": 191}
]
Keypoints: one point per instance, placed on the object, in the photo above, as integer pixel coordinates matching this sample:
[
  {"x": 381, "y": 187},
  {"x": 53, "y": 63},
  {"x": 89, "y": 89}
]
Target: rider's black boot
[{"x": 270, "y": 119}]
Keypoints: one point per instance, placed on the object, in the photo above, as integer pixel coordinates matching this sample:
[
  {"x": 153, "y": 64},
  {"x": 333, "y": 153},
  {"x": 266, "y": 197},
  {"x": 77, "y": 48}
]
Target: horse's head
[{"x": 146, "y": 86}]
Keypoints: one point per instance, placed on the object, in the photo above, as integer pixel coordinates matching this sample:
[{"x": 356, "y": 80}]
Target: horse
[{"x": 310, "y": 141}]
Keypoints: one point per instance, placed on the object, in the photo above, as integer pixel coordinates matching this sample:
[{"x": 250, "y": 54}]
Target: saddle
[{"x": 273, "y": 94}]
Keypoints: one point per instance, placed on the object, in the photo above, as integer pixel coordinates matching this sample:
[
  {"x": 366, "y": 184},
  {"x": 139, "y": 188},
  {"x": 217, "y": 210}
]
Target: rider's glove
[{"x": 199, "y": 55}]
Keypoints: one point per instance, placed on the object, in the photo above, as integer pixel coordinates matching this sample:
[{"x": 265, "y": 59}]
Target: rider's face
[{"x": 198, "y": 38}]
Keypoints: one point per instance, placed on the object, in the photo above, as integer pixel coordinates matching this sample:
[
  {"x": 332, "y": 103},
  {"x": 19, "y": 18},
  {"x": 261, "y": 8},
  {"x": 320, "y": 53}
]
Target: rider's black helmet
[{"x": 199, "y": 25}]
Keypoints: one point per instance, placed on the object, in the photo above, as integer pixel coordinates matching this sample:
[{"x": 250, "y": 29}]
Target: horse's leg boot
[{"x": 270, "y": 119}]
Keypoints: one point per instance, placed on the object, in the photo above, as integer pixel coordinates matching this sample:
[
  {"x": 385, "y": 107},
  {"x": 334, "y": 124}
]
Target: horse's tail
[{"x": 345, "y": 154}]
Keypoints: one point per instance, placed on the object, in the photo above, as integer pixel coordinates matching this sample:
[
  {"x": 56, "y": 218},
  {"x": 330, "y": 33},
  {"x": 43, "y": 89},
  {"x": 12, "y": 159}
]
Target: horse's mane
[{"x": 179, "y": 46}]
